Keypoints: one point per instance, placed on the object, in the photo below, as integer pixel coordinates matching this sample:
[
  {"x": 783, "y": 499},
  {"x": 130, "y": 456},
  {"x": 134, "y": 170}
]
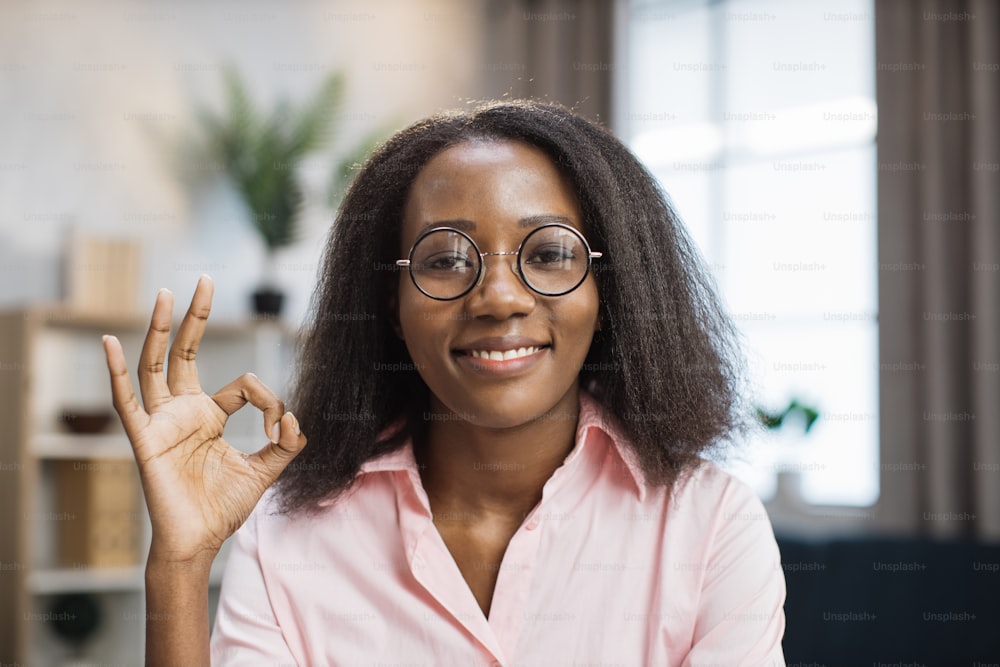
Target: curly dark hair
[{"x": 666, "y": 360}]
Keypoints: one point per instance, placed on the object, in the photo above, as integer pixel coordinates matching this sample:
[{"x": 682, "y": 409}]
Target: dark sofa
[{"x": 877, "y": 602}]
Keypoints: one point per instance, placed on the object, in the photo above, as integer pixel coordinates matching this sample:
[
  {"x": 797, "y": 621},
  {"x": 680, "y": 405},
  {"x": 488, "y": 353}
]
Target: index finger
[{"x": 152, "y": 383}]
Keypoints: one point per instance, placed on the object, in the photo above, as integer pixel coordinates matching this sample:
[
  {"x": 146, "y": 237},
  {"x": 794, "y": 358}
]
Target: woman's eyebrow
[
  {"x": 529, "y": 221},
  {"x": 459, "y": 223},
  {"x": 539, "y": 220}
]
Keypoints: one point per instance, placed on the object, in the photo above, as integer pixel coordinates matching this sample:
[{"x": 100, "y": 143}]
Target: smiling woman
[
  {"x": 499, "y": 190},
  {"x": 507, "y": 459}
]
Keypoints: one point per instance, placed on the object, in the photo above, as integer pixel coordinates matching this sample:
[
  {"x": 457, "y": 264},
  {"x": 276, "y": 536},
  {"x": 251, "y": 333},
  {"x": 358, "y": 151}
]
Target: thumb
[{"x": 275, "y": 456}]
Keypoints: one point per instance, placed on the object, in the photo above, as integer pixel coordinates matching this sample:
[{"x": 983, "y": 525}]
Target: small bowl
[{"x": 86, "y": 422}]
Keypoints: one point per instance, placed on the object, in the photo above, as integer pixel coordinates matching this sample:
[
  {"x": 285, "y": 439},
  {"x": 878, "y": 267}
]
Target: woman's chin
[{"x": 505, "y": 410}]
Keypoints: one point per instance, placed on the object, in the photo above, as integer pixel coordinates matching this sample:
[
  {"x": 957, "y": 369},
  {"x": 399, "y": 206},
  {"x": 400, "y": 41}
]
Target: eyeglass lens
[{"x": 446, "y": 263}]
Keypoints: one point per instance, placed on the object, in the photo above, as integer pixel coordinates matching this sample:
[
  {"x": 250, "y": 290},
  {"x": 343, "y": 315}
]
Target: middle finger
[{"x": 182, "y": 372}]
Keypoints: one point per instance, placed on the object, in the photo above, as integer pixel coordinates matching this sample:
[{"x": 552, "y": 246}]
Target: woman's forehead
[{"x": 508, "y": 179}]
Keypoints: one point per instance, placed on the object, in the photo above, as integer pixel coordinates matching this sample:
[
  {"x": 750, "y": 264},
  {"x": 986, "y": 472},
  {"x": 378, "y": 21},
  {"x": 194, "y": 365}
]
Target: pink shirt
[{"x": 604, "y": 571}]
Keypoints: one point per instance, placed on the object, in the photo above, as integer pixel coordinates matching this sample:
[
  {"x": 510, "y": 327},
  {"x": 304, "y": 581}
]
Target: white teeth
[{"x": 496, "y": 355}]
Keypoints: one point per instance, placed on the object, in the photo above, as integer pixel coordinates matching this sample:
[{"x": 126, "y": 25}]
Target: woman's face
[{"x": 497, "y": 192}]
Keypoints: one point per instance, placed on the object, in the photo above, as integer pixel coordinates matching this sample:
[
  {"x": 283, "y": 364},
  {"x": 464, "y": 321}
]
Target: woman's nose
[{"x": 500, "y": 292}]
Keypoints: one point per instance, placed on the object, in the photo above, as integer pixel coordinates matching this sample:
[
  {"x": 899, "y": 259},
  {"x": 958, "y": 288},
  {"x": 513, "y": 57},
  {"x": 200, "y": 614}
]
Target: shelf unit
[{"x": 52, "y": 359}]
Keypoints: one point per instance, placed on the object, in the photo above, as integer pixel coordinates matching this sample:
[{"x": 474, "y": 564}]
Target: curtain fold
[
  {"x": 939, "y": 258},
  {"x": 553, "y": 50}
]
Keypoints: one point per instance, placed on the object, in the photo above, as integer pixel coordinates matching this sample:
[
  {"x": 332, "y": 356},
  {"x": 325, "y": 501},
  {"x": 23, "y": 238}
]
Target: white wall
[{"x": 98, "y": 99}]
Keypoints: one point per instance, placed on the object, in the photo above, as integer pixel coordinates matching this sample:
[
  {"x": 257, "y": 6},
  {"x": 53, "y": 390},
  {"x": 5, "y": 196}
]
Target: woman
[{"x": 514, "y": 371}]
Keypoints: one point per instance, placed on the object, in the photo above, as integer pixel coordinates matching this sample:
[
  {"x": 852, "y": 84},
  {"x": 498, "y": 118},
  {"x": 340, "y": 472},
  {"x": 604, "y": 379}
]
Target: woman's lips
[
  {"x": 501, "y": 362},
  {"x": 504, "y": 355}
]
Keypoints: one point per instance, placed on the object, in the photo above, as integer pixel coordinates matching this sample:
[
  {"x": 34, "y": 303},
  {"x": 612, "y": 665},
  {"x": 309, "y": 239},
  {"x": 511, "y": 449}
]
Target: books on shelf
[
  {"x": 100, "y": 520},
  {"x": 103, "y": 276}
]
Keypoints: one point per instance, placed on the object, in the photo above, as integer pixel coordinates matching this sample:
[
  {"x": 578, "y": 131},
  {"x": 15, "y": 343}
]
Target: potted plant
[
  {"x": 261, "y": 152},
  {"x": 775, "y": 420},
  {"x": 796, "y": 415}
]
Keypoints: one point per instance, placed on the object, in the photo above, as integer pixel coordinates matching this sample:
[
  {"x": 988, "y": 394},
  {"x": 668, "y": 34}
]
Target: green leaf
[
  {"x": 262, "y": 150},
  {"x": 311, "y": 128},
  {"x": 769, "y": 420}
]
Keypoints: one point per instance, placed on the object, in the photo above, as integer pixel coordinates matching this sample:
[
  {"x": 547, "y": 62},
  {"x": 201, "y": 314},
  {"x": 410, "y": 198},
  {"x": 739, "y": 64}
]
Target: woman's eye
[
  {"x": 554, "y": 255},
  {"x": 448, "y": 262}
]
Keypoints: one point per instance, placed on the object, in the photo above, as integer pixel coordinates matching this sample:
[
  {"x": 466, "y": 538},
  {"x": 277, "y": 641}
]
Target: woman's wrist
[
  {"x": 177, "y": 619},
  {"x": 163, "y": 562}
]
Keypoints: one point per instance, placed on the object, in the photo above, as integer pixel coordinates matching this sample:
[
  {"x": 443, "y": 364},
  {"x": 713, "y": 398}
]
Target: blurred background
[{"x": 836, "y": 161}]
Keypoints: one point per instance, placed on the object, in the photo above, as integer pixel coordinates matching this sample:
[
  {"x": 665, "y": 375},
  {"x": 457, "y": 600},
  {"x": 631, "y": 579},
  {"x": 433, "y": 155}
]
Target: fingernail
[
  {"x": 295, "y": 421},
  {"x": 276, "y": 431}
]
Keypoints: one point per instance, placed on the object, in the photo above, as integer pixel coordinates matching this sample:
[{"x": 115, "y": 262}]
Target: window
[{"x": 758, "y": 117}]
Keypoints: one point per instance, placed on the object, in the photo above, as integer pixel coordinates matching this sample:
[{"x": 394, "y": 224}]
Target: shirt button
[
  {"x": 532, "y": 524},
  {"x": 495, "y": 664}
]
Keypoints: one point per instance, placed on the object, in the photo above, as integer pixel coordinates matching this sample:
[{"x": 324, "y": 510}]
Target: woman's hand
[{"x": 198, "y": 488}]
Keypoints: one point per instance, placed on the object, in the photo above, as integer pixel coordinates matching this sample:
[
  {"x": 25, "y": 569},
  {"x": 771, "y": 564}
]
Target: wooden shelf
[
  {"x": 68, "y": 446},
  {"x": 62, "y": 446},
  {"x": 62, "y": 317},
  {"x": 56, "y": 361},
  {"x": 52, "y": 581},
  {"x": 49, "y": 581}
]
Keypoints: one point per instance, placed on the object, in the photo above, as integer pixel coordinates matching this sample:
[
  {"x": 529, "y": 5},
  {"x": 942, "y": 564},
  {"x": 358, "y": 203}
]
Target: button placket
[
  {"x": 433, "y": 567},
  {"x": 513, "y": 585}
]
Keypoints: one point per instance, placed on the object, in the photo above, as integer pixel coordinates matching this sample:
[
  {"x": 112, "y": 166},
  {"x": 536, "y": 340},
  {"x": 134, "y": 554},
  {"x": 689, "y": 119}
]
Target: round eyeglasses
[{"x": 445, "y": 263}]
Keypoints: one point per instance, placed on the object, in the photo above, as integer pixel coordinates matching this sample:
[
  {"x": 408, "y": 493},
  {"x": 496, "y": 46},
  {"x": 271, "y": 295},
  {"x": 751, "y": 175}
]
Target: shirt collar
[
  {"x": 596, "y": 425},
  {"x": 597, "y": 422}
]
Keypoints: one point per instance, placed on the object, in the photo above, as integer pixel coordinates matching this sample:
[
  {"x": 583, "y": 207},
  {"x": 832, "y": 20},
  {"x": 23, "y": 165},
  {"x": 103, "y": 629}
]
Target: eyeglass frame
[{"x": 481, "y": 269}]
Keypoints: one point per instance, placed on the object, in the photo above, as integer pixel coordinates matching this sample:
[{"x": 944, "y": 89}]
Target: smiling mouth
[{"x": 497, "y": 355}]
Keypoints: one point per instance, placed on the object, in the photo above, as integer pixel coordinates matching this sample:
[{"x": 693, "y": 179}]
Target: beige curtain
[
  {"x": 939, "y": 280},
  {"x": 555, "y": 50}
]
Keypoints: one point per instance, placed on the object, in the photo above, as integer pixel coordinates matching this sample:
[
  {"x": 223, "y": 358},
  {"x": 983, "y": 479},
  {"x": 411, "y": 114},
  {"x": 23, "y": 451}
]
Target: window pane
[
  {"x": 799, "y": 235},
  {"x": 674, "y": 88},
  {"x": 758, "y": 117},
  {"x": 832, "y": 367},
  {"x": 787, "y": 53}
]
